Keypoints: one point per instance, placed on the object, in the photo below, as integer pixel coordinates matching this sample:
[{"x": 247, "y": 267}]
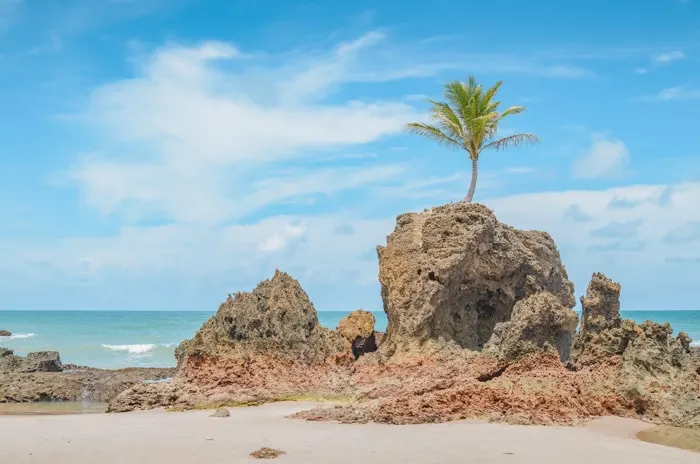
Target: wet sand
[{"x": 187, "y": 437}]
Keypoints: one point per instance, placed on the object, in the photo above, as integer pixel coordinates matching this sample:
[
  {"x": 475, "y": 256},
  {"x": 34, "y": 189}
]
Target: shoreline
[{"x": 194, "y": 436}]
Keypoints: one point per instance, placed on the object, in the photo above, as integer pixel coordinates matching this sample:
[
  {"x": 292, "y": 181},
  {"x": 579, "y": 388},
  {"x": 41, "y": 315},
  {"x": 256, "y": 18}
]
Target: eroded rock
[
  {"x": 260, "y": 346},
  {"x": 452, "y": 273},
  {"x": 358, "y": 329},
  {"x": 538, "y": 322},
  {"x": 5, "y": 333},
  {"x": 276, "y": 318}
]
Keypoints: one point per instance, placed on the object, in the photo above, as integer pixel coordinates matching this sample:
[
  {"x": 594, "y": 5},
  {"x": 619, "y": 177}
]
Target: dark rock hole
[{"x": 432, "y": 276}]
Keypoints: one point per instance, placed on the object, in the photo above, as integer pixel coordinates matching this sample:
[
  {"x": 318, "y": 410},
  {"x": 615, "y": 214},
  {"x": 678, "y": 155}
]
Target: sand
[{"x": 194, "y": 437}]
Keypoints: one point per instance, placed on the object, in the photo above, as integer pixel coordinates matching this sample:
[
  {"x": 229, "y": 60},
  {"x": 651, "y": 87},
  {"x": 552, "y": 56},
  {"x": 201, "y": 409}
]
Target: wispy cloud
[
  {"x": 680, "y": 93},
  {"x": 607, "y": 157},
  {"x": 668, "y": 57}
]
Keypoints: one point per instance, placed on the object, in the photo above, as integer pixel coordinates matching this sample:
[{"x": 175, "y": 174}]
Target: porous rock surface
[
  {"x": 538, "y": 322},
  {"x": 259, "y": 346},
  {"x": 276, "y": 318},
  {"x": 452, "y": 273}
]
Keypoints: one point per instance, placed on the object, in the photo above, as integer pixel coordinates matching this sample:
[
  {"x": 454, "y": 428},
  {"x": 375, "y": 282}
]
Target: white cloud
[
  {"x": 333, "y": 254},
  {"x": 607, "y": 157},
  {"x": 642, "y": 254},
  {"x": 668, "y": 57},
  {"x": 195, "y": 141}
]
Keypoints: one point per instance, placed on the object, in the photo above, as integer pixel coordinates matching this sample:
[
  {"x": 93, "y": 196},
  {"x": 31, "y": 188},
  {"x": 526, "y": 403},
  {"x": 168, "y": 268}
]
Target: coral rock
[
  {"x": 277, "y": 318},
  {"x": 539, "y": 322},
  {"x": 452, "y": 273}
]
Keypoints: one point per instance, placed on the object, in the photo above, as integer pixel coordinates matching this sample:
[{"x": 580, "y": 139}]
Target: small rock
[
  {"x": 5, "y": 333},
  {"x": 221, "y": 412},
  {"x": 358, "y": 329},
  {"x": 267, "y": 453}
]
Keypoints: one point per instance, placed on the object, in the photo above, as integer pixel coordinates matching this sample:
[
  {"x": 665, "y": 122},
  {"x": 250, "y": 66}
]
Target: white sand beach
[{"x": 191, "y": 437}]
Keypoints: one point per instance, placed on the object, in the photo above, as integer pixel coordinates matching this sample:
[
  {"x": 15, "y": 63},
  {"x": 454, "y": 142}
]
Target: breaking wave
[
  {"x": 131, "y": 349},
  {"x": 21, "y": 336}
]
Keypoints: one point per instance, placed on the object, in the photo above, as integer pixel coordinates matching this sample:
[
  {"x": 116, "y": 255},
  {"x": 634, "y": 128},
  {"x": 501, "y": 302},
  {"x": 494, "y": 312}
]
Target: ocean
[{"x": 116, "y": 339}]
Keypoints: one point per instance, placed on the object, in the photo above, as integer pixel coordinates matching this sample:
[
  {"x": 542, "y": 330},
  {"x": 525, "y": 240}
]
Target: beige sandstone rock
[{"x": 450, "y": 274}]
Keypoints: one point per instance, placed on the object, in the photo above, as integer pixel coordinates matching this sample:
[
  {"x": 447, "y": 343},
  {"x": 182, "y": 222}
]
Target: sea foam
[
  {"x": 132, "y": 349},
  {"x": 21, "y": 336}
]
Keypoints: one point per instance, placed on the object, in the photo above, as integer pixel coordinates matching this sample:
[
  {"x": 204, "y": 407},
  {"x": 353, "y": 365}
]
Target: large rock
[
  {"x": 538, "y": 322},
  {"x": 5, "y": 333},
  {"x": 450, "y": 274},
  {"x": 264, "y": 345},
  {"x": 276, "y": 318}
]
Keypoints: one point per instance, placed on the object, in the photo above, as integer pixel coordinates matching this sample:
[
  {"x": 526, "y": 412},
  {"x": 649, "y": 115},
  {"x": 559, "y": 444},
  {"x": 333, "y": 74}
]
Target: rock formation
[
  {"x": 276, "y": 318},
  {"x": 259, "y": 346},
  {"x": 358, "y": 329},
  {"x": 41, "y": 361},
  {"x": 5, "y": 333},
  {"x": 452, "y": 273},
  {"x": 41, "y": 377},
  {"x": 538, "y": 322},
  {"x": 480, "y": 326}
]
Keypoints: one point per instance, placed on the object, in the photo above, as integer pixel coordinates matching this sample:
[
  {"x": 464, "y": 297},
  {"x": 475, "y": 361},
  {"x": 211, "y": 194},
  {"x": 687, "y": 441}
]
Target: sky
[{"x": 160, "y": 154}]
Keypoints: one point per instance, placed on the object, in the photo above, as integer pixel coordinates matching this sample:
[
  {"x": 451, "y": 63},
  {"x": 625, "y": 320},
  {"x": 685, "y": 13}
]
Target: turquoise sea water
[{"x": 114, "y": 339}]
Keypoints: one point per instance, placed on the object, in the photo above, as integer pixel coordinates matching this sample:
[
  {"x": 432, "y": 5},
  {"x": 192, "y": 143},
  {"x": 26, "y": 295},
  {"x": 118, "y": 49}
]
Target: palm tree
[{"x": 469, "y": 121}]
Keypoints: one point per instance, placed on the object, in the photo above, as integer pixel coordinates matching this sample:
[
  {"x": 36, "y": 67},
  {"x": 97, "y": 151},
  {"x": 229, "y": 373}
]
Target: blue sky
[{"x": 160, "y": 154}]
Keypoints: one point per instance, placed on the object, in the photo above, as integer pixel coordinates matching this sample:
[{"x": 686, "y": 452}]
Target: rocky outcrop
[
  {"x": 276, "y": 318},
  {"x": 450, "y": 274},
  {"x": 259, "y": 346},
  {"x": 84, "y": 384},
  {"x": 358, "y": 329},
  {"x": 538, "y": 322},
  {"x": 480, "y": 326},
  {"x": 5, "y": 333},
  {"x": 41, "y": 361}
]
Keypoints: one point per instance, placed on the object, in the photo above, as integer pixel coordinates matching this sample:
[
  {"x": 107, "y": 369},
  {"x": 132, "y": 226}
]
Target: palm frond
[
  {"x": 446, "y": 118},
  {"x": 512, "y": 141},
  {"x": 433, "y": 133},
  {"x": 513, "y": 110}
]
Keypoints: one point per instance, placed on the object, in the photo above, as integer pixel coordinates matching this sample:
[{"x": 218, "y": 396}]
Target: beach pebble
[{"x": 221, "y": 412}]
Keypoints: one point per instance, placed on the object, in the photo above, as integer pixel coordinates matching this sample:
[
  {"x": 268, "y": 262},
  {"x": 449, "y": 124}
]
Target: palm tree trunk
[{"x": 472, "y": 186}]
